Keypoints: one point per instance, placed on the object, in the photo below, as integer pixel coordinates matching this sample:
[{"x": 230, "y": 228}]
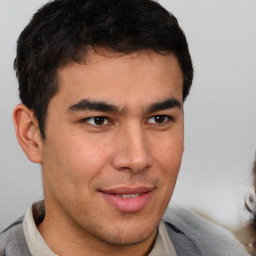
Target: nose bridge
[{"x": 132, "y": 150}]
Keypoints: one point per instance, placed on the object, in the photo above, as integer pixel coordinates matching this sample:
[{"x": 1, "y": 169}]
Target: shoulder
[
  {"x": 193, "y": 235},
  {"x": 12, "y": 240}
]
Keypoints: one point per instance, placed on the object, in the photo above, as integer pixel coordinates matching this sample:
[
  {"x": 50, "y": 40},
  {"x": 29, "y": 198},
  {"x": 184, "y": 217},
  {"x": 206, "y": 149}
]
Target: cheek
[
  {"x": 89, "y": 155},
  {"x": 167, "y": 159},
  {"x": 168, "y": 152},
  {"x": 71, "y": 167},
  {"x": 76, "y": 158}
]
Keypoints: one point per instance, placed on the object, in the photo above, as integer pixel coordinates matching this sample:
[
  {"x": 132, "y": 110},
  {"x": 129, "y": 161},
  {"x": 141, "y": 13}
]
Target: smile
[{"x": 128, "y": 200}]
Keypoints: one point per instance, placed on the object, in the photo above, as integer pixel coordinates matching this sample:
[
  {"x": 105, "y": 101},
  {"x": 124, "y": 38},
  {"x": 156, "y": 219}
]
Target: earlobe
[{"x": 27, "y": 132}]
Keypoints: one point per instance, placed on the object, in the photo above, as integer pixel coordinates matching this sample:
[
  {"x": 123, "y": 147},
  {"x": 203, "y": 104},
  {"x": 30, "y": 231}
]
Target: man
[{"x": 102, "y": 85}]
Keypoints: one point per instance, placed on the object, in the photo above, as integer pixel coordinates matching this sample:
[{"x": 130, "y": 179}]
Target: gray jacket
[{"x": 191, "y": 235}]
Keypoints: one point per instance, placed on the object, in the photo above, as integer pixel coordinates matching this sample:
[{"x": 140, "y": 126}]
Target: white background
[{"x": 220, "y": 113}]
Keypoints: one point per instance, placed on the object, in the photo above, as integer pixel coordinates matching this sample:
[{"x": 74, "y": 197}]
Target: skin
[{"x": 138, "y": 143}]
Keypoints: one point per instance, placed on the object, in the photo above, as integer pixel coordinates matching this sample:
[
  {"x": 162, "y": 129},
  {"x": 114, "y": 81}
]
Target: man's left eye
[
  {"x": 161, "y": 119},
  {"x": 97, "y": 120}
]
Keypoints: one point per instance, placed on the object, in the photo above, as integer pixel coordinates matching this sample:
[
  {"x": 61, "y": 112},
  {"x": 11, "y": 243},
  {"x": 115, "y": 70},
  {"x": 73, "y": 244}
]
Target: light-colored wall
[{"x": 220, "y": 114}]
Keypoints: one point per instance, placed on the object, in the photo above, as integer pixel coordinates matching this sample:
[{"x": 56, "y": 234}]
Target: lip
[{"x": 131, "y": 204}]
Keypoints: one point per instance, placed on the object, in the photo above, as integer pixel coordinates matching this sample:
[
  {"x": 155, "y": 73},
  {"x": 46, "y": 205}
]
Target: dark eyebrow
[
  {"x": 86, "y": 104},
  {"x": 165, "y": 104}
]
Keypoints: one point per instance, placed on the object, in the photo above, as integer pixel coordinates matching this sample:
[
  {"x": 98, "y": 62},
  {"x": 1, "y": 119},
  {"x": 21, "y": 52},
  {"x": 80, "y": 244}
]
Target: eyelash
[
  {"x": 87, "y": 120},
  {"x": 103, "y": 119},
  {"x": 167, "y": 119}
]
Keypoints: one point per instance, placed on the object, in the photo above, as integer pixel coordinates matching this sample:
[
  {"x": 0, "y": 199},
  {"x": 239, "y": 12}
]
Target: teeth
[
  {"x": 129, "y": 196},
  {"x": 134, "y": 195}
]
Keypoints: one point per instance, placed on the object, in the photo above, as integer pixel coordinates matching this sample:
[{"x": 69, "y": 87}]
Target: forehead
[{"x": 111, "y": 76}]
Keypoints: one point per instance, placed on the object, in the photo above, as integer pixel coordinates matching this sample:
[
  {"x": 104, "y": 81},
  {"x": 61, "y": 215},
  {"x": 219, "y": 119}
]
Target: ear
[{"x": 28, "y": 133}]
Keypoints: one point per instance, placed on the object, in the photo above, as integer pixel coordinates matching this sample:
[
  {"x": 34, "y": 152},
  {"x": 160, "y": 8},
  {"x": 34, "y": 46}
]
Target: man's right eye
[{"x": 96, "y": 120}]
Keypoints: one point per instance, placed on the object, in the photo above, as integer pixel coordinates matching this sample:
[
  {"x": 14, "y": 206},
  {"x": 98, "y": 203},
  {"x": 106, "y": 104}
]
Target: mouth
[{"x": 127, "y": 200}]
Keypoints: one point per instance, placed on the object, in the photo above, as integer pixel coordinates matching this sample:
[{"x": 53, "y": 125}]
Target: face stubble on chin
[{"x": 113, "y": 148}]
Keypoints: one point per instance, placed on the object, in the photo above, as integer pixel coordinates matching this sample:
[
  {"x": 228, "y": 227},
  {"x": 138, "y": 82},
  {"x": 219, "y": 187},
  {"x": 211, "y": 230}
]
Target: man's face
[{"x": 114, "y": 142}]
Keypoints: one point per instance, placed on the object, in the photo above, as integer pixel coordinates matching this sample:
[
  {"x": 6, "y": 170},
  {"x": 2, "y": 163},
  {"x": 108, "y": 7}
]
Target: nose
[{"x": 132, "y": 150}]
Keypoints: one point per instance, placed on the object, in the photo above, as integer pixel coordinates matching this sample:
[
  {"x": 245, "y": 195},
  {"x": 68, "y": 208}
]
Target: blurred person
[
  {"x": 102, "y": 85},
  {"x": 250, "y": 203}
]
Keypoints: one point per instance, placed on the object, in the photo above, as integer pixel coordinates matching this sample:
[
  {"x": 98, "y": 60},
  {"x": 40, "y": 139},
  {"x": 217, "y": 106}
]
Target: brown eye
[
  {"x": 97, "y": 120},
  {"x": 159, "y": 119}
]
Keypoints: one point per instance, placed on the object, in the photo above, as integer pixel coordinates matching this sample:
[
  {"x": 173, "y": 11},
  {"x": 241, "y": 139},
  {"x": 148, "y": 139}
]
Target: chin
[{"x": 130, "y": 234}]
